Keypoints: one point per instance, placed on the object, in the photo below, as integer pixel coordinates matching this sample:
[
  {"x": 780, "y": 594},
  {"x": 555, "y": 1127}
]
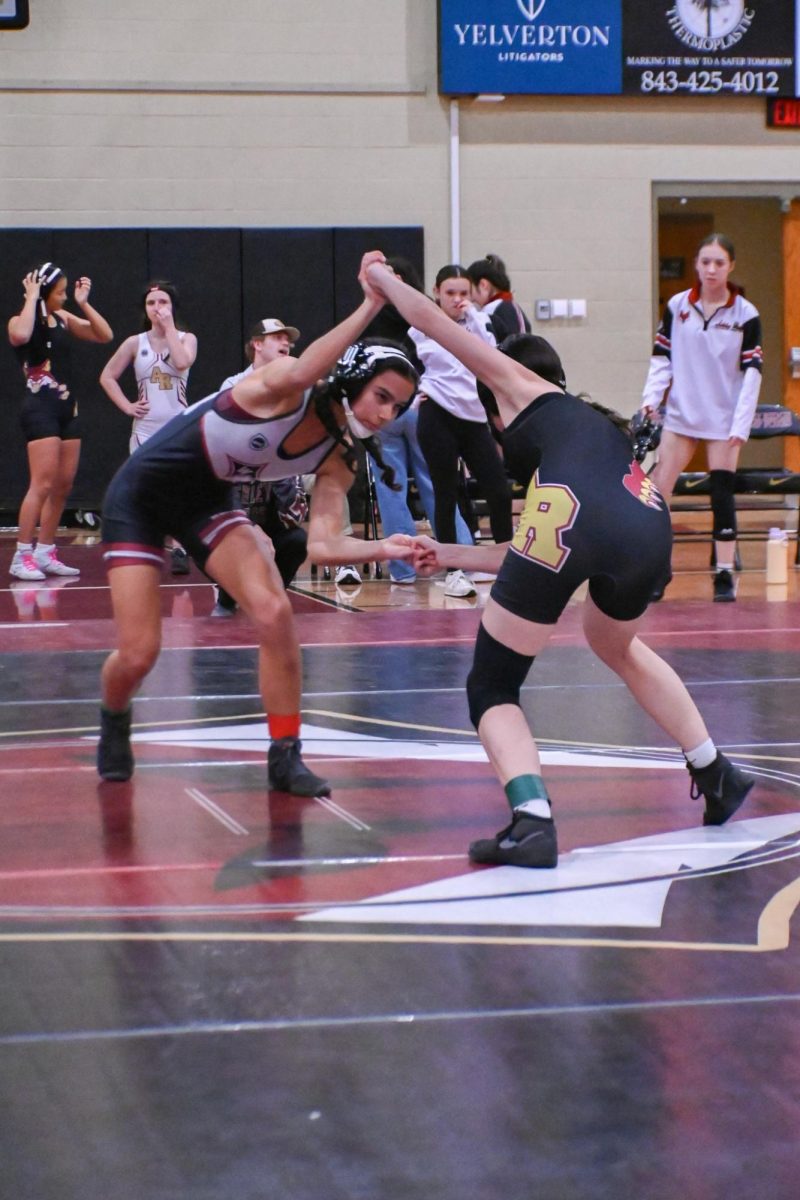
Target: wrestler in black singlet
[
  {"x": 48, "y": 409},
  {"x": 590, "y": 513}
]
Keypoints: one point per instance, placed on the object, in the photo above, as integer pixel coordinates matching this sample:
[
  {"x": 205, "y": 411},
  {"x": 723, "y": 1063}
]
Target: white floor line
[{"x": 218, "y": 813}]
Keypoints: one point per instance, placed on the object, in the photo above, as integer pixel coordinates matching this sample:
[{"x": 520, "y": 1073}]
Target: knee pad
[
  {"x": 723, "y": 506},
  {"x": 497, "y": 676}
]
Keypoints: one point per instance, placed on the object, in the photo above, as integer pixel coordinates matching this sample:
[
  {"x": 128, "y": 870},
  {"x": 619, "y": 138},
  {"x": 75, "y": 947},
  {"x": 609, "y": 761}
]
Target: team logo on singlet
[
  {"x": 641, "y": 487},
  {"x": 550, "y": 510},
  {"x": 162, "y": 380}
]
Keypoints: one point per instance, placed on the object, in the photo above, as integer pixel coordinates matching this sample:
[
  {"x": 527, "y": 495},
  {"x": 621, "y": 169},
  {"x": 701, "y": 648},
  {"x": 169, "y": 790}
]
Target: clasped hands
[{"x": 421, "y": 551}]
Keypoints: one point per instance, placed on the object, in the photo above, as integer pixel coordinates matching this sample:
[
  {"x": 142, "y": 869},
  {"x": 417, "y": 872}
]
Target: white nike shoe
[
  {"x": 457, "y": 584},
  {"x": 49, "y": 562},
  {"x": 23, "y": 566},
  {"x": 347, "y": 575}
]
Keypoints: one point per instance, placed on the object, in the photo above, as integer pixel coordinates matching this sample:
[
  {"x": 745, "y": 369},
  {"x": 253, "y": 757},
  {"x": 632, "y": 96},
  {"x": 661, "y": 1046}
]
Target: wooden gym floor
[{"x": 214, "y": 991}]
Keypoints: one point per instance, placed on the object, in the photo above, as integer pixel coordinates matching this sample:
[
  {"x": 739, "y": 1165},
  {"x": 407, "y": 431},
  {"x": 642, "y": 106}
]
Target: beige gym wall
[{"x": 299, "y": 112}]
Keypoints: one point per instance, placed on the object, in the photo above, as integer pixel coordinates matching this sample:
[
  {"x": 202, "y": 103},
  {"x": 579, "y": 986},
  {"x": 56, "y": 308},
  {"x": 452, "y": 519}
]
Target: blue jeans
[{"x": 401, "y": 452}]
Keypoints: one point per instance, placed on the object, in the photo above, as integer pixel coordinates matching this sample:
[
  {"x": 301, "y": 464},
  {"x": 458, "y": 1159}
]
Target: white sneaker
[
  {"x": 482, "y": 576},
  {"x": 457, "y": 584},
  {"x": 23, "y": 566},
  {"x": 49, "y": 562},
  {"x": 346, "y": 575}
]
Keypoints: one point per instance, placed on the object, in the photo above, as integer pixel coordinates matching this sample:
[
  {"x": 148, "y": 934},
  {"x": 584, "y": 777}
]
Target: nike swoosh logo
[
  {"x": 782, "y": 479},
  {"x": 510, "y": 844},
  {"x": 693, "y": 483}
]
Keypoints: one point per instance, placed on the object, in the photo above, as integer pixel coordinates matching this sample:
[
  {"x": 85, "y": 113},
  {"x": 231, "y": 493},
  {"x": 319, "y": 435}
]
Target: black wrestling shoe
[
  {"x": 722, "y": 785},
  {"x": 222, "y": 610},
  {"x": 527, "y": 842},
  {"x": 724, "y": 587},
  {"x": 179, "y": 562},
  {"x": 225, "y": 605},
  {"x": 114, "y": 755},
  {"x": 288, "y": 772}
]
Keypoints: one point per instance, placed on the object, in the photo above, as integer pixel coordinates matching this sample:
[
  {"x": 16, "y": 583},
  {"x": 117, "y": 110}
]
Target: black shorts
[
  {"x": 622, "y": 548},
  {"x": 46, "y": 414},
  {"x": 141, "y": 511}
]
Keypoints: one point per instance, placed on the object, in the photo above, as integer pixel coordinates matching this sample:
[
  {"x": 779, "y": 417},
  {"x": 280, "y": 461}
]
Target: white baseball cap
[{"x": 273, "y": 325}]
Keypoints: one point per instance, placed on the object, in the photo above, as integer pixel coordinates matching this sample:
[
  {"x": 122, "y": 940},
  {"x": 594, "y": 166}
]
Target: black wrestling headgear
[{"x": 645, "y": 434}]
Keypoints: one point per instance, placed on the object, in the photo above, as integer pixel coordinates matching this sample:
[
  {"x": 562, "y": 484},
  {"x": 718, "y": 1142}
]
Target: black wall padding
[
  {"x": 288, "y": 273},
  {"x": 206, "y": 267},
  {"x": 350, "y": 244},
  {"x": 116, "y": 262},
  {"x": 227, "y": 278}
]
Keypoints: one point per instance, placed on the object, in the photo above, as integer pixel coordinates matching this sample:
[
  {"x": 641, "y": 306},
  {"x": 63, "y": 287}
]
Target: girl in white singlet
[{"x": 161, "y": 357}]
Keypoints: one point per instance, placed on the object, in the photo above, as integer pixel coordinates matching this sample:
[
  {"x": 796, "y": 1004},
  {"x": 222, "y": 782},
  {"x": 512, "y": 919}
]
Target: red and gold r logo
[{"x": 550, "y": 510}]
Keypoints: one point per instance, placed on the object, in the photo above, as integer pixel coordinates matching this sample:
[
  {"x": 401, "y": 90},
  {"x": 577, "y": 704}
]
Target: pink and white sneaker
[
  {"x": 23, "y": 566},
  {"x": 49, "y": 562}
]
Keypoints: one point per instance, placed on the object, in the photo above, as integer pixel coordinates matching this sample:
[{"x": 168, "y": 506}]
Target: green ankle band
[{"x": 524, "y": 788}]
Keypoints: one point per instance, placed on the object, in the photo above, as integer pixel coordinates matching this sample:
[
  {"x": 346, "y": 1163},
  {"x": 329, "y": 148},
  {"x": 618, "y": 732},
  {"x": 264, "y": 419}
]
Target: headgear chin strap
[{"x": 356, "y": 427}]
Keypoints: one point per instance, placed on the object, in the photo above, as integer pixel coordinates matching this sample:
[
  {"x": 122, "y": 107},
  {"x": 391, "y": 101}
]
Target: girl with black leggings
[{"x": 452, "y": 423}]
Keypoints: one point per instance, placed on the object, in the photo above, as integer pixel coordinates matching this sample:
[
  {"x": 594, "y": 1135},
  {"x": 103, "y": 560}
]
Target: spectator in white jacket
[{"x": 705, "y": 374}]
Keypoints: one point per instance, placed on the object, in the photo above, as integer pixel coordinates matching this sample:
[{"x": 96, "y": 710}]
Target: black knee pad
[
  {"x": 497, "y": 675},
  {"x": 723, "y": 505}
]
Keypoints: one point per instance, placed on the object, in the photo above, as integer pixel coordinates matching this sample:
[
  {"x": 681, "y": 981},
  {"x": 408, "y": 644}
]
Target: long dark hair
[
  {"x": 361, "y": 363},
  {"x": 721, "y": 240},
  {"x": 532, "y": 352},
  {"x": 162, "y": 285},
  {"x": 405, "y": 270},
  {"x": 539, "y": 356},
  {"x": 450, "y": 271},
  {"x": 492, "y": 268}
]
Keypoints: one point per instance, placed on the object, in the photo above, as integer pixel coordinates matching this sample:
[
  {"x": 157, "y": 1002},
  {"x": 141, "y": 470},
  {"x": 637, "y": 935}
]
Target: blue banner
[
  {"x": 615, "y": 47},
  {"x": 539, "y": 47}
]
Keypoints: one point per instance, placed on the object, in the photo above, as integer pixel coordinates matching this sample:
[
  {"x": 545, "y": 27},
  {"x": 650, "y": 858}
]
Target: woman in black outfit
[
  {"x": 40, "y": 334},
  {"x": 590, "y": 515}
]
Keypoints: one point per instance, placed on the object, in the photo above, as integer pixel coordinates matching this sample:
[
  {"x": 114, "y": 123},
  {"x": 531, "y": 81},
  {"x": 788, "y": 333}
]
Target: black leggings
[{"x": 444, "y": 439}]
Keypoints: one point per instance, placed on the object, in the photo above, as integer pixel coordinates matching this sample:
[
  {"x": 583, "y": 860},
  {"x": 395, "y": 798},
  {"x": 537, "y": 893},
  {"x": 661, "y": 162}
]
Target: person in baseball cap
[
  {"x": 268, "y": 339},
  {"x": 273, "y": 325}
]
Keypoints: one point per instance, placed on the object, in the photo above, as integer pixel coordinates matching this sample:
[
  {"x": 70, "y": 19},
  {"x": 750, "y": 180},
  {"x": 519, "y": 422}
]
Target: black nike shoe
[
  {"x": 288, "y": 772},
  {"x": 114, "y": 755},
  {"x": 527, "y": 842},
  {"x": 179, "y": 561},
  {"x": 724, "y": 587},
  {"x": 722, "y": 785}
]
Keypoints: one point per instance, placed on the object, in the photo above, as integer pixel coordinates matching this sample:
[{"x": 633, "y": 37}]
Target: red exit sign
[{"x": 783, "y": 113}]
